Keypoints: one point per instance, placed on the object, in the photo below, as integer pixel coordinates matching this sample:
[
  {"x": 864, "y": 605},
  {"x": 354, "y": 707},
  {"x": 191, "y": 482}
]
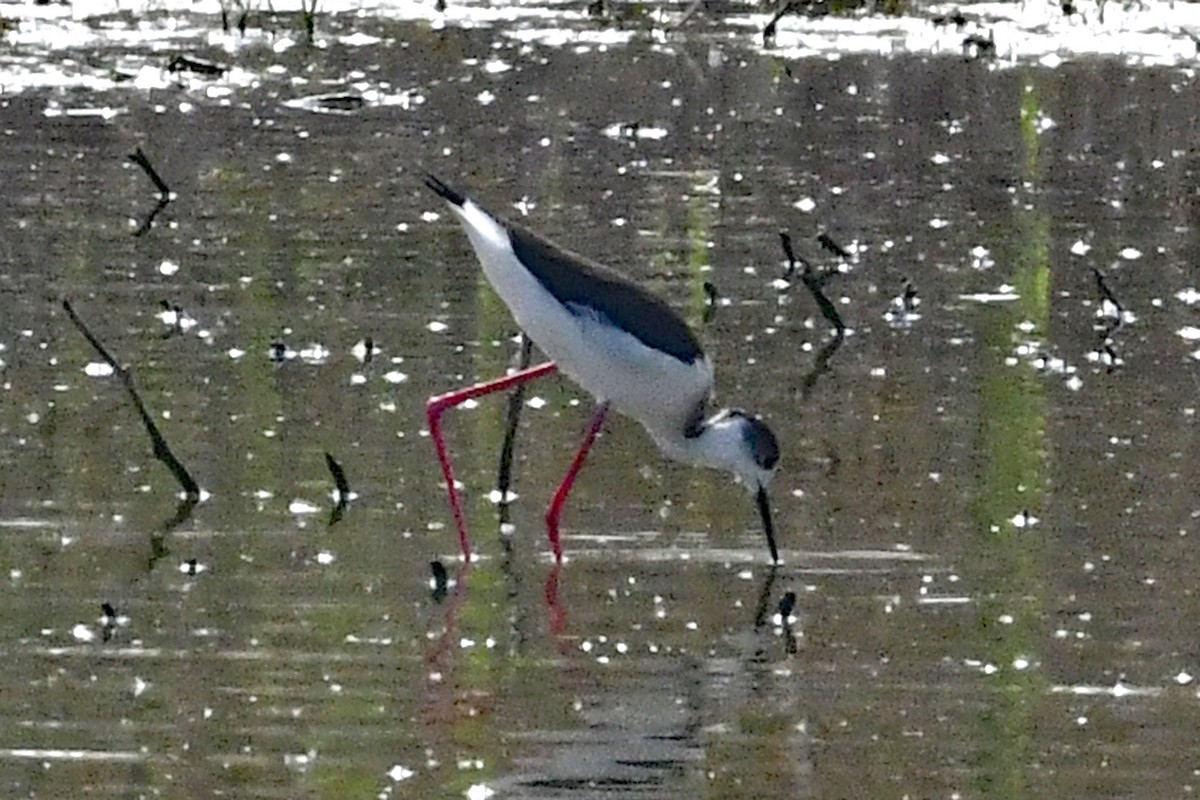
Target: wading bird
[{"x": 622, "y": 344}]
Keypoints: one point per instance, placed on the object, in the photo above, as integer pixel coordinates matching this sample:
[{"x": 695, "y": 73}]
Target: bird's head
[{"x": 743, "y": 444}]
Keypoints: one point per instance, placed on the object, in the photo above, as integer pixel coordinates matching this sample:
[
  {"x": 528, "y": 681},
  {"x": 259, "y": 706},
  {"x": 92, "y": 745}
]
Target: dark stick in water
[
  {"x": 339, "y": 478},
  {"x": 161, "y": 450},
  {"x": 829, "y": 244},
  {"x": 814, "y": 280},
  {"x": 138, "y": 157},
  {"x": 343, "y": 489},
  {"x": 1106, "y": 293},
  {"x": 512, "y": 417}
]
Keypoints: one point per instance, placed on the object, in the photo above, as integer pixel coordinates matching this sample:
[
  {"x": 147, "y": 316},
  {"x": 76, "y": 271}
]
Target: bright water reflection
[{"x": 987, "y": 528}]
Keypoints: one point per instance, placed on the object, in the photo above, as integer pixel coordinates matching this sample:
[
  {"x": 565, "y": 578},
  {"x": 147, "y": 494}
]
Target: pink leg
[
  {"x": 564, "y": 488},
  {"x": 436, "y": 406}
]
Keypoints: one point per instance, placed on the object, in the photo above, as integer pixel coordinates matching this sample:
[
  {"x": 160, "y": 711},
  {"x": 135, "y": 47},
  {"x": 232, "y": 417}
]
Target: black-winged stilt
[{"x": 622, "y": 344}]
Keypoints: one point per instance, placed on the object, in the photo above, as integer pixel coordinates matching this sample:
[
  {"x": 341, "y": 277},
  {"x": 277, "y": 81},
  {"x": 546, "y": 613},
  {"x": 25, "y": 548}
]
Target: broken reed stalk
[{"x": 161, "y": 450}]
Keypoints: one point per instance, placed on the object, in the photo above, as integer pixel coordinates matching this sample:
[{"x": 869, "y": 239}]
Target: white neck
[{"x": 720, "y": 444}]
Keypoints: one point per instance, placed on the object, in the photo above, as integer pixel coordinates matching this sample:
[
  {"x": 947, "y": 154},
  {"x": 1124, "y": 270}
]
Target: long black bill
[{"x": 764, "y": 510}]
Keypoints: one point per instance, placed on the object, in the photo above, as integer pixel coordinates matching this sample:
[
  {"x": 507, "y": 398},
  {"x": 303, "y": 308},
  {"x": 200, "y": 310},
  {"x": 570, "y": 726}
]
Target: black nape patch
[{"x": 760, "y": 438}]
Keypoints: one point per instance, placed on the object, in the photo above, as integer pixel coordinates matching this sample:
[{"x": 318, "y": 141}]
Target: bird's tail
[{"x": 443, "y": 191}]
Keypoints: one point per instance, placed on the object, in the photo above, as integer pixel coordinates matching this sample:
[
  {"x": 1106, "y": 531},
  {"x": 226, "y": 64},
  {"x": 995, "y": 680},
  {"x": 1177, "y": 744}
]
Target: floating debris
[
  {"x": 793, "y": 260},
  {"x": 975, "y": 46},
  {"x": 198, "y": 66},
  {"x": 955, "y": 18}
]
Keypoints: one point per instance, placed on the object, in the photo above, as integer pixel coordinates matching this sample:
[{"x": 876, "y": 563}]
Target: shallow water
[{"x": 987, "y": 525}]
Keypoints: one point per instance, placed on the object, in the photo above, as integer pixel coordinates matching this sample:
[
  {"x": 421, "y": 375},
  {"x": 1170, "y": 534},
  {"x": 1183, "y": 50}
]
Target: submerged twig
[
  {"x": 832, "y": 246},
  {"x": 793, "y": 260},
  {"x": 1107, "y": 294},
  {"x": 162, "y": 451},
  {"x": 787, "y": 604},
  {"x": 138, "y": 157},
  {"x": 828, "y": 310},
  {"x": 200, "y": 66},
  {"x": 308, "y": 17},
  {"x": 711, "y": 299},
  {"x": 770, "y": 29},
  {"x": 814, "y": 280},
  {"x": 910, "y": 298},
  {"x": 1112, "y": 322},
  {"x": 441, "y": 581},
  {"x": 339, "y": 478},
  {"x": 148, "y": 222},
  {"x": 343, "y": 489},
  {"x": 164, "y": 192}
]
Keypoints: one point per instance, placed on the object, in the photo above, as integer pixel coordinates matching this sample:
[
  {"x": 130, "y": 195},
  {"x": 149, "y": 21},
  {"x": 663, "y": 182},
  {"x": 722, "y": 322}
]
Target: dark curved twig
[
  {"x": 148, "y": 222},
  {"x": 815, "y": 284},
  {"x": 164, "y": 192},
  {"x": 139, "y": 157},
  {"x": 815, "y": 281},
  {"x": 1112, "y": 324},
  {"x": 162, "y": 451},
  {"x": 343, "y": 489}
]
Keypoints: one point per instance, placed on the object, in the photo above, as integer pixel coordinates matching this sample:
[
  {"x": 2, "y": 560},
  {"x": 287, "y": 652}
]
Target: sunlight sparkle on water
[
  {"x": 400, "y": 773},
  {"x": 98, "y": 369}
]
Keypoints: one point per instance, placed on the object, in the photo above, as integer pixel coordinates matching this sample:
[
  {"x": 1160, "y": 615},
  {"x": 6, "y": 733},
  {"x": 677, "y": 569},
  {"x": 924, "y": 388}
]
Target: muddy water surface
[{"x": 987, "y": 501}]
